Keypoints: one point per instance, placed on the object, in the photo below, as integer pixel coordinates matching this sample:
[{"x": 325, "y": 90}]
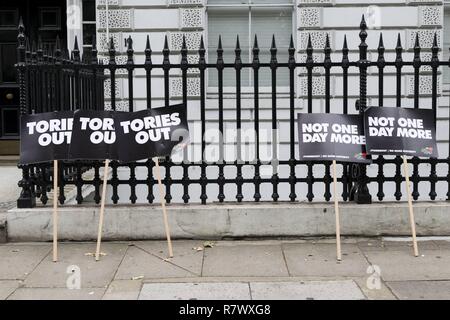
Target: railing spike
[
  {"x": 255, "y": 43},
  {"x": 238, "y": 44},
  {"x": 273, "y": 45},
  {"x": 219, "y": 46},
  {"x": 166, "y": 43},
  {"x": 417, "y": 42},
  {"x": 381, "y": 42},
  {"x": 399, "y": 42},
  {"x": 183, "y": 43}
]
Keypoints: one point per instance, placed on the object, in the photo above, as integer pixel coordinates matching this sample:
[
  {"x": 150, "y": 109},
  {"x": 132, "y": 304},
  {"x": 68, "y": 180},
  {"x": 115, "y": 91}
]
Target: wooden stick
[
  {"x": 55, "y": 210},
  {"x": 410, "y": 205},
  {"x": 162, "y": 195},
  {"x": 102, "y": 210},
  {"x": 336, "y": 212}
]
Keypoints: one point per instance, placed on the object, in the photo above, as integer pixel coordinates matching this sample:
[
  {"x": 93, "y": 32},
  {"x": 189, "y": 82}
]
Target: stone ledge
[
  {"x": 79, "y": 223},
  {"x": 3, "y": 235}
]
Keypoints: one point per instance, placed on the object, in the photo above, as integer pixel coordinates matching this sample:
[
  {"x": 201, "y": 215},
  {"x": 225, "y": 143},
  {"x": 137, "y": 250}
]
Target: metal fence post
[
  {"x": 27, "y": 198},
  {"x": 360, "y": 193}
]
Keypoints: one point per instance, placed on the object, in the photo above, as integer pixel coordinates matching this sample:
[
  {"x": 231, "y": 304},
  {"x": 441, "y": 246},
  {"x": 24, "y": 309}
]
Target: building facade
[{"x": 303, "y": 19}]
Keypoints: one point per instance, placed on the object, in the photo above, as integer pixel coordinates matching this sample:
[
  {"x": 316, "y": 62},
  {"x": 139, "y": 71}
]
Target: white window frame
[
  {"x": 249, "y": 89},
  {"x": 446, "y": 85},
  {"x": 78, "y": 32}
]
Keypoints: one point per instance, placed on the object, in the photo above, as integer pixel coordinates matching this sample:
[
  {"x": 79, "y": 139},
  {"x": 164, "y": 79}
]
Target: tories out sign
[
  {"x": 150, "y": 133},
  {"x": 93, "y": 137},
  {"x": 401, "y": 131},
  {"x": 331, "y": 137},
  {"x": 45, "y": 136}
]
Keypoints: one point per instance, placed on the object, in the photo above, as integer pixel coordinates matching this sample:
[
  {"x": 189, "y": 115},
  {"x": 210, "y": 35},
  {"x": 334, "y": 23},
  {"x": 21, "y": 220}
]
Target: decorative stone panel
[
  {"x": 118, "y": 19},
  {"x": 316, "y": 58},
  {"x": 317, "y": 39},
  {"x": 110, "y": 2},
  {"x": 192, "y": 40},
  {"x": 318, "y": 86},
  {"x": 315, "y": 2},
  {"x": 193, "y": 59},
  {"x": 191, "y": 18},
  {"x": 121, "y": 105},
  {"x": 425, "y": 85},
  {"x": 103, "y": 43},
  {"x": 430, "y": 16},
  {"x": 193, "y": 87},
  {"x": 309, "y": 17},
  {"x": 179, "y": 3},
  {"x": 120, "y": 60},
  {"x": 426, "y": 37},
  {"x": 107, "y": 86}
]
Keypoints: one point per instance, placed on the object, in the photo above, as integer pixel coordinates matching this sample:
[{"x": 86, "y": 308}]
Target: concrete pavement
[{"x": 264, "y": 269}]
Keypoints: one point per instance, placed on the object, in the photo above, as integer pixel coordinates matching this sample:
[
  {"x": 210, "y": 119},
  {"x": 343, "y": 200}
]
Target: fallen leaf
[
  {"x": 209, "y": 244},
  {"x": 137, "y": 278},
  {"x": 197, "y": 248},
  {"x": 91, "y": 293}
]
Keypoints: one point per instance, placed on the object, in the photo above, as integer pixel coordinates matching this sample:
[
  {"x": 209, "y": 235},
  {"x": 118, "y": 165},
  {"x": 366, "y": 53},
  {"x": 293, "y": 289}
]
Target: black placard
[
  {"x": 401, "y": 131},
  {"x": 150, "y": 133},
  {"x": 45, "y": 136},
  {"x": 331, "y": 137},
  {"x": 93, "y": 137}
]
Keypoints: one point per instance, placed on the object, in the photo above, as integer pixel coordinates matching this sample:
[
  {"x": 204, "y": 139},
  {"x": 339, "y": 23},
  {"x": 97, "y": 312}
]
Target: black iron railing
[{"x": 53, "y": 81}]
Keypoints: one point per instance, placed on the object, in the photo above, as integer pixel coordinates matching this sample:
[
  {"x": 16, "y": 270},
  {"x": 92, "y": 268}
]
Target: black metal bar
[
  {"x": 238, "y": 68},
  {"x": 415, "y": 175},
  {"x": 434, "y": 81},
  {"x": 273, "y": 68},
  {"x": 291, "y": 61},
  {"x": 257, "y": 164},
  {"x": 381, "y": 62},
  {"x": 346, "y": 177},
  {"x": 221, "y": 178},
  {"x": 398, "y": 160},
  {"x": 309, "y": 68},
  {"x": 202, "y": 68},
  {"x": 327, "y": 66},
  {"x": 166, "y": 68},
  {"x": 360, "y": 192},
  {"x": 184, "y": 69},
  {"x": 27, "y": 198}
]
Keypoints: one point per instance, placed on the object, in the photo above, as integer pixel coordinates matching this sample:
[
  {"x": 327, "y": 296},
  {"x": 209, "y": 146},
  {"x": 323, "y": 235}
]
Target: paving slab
[
  {"x": 18, "y": 260},
  {"x": 381, "y": 292},
  {"x": 421, "y": 290},
  {"x": 244, "y": 260},
  {"x": 319, "y": 260},
  {"x": 195, "y": 291},
  {"x": 443, "y": 244},
  {"x": 93, "y": 273},
  {"x": 123, "y": 290},
  {"x": 57, "y": 294},
  {"x": 185, "y": 255},
  {"x": 7, "y": 287},
  {"x": 309, "y": 290},
  {"x": 402, "y": 265},
  {"x": 139, "y": 263}
]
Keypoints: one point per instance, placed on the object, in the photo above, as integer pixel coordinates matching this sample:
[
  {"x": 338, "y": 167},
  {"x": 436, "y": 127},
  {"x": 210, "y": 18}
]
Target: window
[
  {"x": 9, "y": 19},
  {"x": 446, "y": 71},
  {"x": 246, "y": 18},
  {"x": 89, "y": 25},
  {"x": 49, "y": 18}
]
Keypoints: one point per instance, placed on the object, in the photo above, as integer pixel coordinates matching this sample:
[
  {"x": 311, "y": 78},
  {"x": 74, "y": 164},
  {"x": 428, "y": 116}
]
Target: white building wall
[{"x": 337, "y": 18}]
